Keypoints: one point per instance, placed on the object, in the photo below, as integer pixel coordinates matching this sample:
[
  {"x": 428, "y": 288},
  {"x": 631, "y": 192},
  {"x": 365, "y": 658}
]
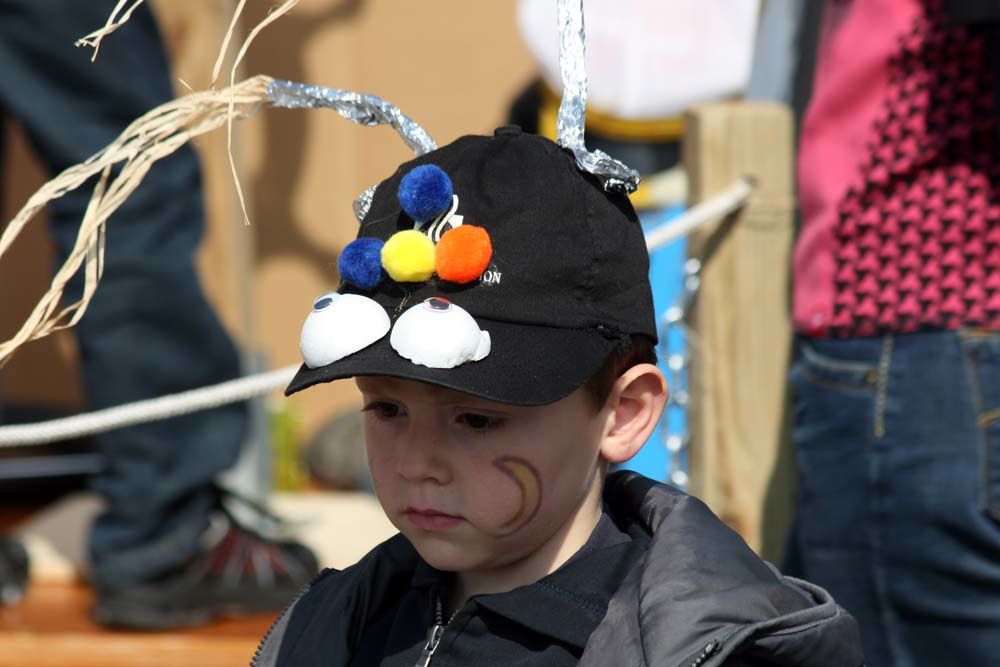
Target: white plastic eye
[
  {"x": 339, "y": 325},
  {"x": 439, "y": 334}
]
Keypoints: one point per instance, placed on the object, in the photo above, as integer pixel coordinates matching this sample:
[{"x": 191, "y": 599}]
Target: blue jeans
[
  {"x": 148, "y": 330},
  {"x": 897, "y": 442}
]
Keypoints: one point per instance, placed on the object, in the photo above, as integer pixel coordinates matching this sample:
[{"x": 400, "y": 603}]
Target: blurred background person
[
  {"x": 897, "y": 307},
  {"x": 165, "y": 551}
]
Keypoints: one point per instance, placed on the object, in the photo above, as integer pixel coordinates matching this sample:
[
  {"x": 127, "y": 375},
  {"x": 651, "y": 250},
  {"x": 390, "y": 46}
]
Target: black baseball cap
[{"x": 567, "y": 283}]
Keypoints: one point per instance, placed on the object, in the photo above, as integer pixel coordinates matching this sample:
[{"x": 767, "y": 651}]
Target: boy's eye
[
  {"x": 383, "y": 410},
  {"x": 479, "y": 422}
]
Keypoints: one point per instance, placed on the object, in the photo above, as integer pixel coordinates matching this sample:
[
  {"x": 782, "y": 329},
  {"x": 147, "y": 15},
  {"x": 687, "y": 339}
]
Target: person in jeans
[
  {"x": 897, "y": 307},
  {"x": 164, "y": 551}
]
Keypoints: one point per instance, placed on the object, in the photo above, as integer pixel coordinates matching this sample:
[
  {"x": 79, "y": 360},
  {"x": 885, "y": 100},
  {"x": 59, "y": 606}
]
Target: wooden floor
[{"x": 51, "y": 627}]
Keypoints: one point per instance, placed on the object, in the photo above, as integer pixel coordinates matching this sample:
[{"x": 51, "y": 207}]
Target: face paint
[{"x": 530, "y": 483}]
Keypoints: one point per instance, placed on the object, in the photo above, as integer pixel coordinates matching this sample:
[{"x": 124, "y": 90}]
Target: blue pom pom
[
  {"x": 425, "y": 192},
  {"x": 360, "y": 263}
]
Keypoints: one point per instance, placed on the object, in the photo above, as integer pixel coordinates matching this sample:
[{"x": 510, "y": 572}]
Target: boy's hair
[{"x": 639, "y": 350}]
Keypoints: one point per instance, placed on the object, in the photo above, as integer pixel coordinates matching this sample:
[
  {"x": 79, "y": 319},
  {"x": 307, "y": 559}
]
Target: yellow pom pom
[{"x": 408, "y": 257}]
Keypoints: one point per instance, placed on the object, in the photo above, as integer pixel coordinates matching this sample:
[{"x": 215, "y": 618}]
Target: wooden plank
[
  {"x": 52, "y": 627},
  {"x": 741, "y": 316},
  {"x": 124, "y": 651}
]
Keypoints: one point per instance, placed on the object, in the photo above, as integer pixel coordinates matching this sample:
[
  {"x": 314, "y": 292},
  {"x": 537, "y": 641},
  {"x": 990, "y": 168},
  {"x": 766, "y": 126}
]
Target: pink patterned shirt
[{"x": 899, "y": 176}]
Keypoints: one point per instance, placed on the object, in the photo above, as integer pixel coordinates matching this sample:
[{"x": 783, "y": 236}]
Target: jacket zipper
[
  {"x": 711, "y": 648},
  {"x": 433, "y": 639},
  {"x": 267, "y": 635},
  {"x": 434, "y": 635}
]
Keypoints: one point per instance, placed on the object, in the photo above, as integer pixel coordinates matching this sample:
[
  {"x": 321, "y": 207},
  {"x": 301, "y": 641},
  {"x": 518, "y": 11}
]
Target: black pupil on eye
[
  {"x": 477, "y": 421},
  {"x": 322, "y": 303},
  {"x": 436, "y": 303}
]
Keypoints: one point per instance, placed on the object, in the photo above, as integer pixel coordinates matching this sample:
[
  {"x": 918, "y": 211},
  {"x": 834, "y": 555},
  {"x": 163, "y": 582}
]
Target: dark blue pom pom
[
  {"x": 360, "y": 263},
  {"x": 425, "y": 192}
]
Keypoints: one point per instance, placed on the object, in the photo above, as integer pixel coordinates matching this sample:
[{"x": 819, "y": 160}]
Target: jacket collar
[
  {"x": 567, "y": 604},
  {"x": 700, "y": 590}
]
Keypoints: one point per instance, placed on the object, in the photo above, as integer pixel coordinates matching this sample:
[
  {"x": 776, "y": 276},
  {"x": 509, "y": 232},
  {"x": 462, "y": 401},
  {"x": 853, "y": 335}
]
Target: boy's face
[{"x": 477, "y": 485}]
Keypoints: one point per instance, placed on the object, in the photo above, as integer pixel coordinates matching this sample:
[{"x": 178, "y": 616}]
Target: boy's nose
[{"x": 421, "y": 457}]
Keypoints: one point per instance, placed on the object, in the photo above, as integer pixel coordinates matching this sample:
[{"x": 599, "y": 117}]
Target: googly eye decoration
[
  {"x": 438, "y": 334},
  {"x": 340, "y": 325}
]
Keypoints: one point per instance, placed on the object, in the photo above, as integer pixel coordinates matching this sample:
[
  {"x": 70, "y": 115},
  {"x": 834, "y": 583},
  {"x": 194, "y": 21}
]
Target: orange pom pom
[{"x": 463, "y": 254}]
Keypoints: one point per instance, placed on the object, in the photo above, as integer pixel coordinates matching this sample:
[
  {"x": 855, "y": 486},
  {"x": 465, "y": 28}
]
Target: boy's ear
[{"x": 634, "y": 406}]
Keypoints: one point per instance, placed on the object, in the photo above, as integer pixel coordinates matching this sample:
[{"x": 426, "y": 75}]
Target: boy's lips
[{"x": 430, "y": 519}]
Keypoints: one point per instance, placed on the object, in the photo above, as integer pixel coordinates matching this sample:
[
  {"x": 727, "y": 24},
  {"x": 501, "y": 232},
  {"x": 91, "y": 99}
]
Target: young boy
[{"x": 521, "y": 363}]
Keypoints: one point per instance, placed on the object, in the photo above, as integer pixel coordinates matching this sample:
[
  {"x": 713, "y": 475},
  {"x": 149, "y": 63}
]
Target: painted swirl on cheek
[{"x": 530, "y": 483}]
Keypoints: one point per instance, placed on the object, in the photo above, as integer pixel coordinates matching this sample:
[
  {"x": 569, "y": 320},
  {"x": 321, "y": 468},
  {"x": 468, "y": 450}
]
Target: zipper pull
[
  {"x": 433, "y": 638},
  {"x": 711, "y": 648}
]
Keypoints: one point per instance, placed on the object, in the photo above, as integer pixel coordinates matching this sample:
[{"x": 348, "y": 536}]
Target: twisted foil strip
[
  {"x": 363, "y": 203},
  {"x": 363, "y": 109},
  {"x": 360, "y": 108},
  {"x": 573, "y": 108}
]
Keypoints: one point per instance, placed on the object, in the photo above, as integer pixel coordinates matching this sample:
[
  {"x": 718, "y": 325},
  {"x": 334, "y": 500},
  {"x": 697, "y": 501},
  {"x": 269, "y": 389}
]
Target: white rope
[
  {"x": 722, "y": 204},
  {"x": 152, "y": 409}
]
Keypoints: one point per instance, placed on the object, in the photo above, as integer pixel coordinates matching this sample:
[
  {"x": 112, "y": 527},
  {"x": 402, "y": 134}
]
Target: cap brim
[{"x": 527, "y": 364}]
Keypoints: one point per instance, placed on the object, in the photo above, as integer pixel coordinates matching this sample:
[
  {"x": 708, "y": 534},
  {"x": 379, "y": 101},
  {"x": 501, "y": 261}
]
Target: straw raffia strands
[
  {"x": 94, "y": 38},
  {"x": 272, "y": 16},
  {"x": 148, "y": 139}
]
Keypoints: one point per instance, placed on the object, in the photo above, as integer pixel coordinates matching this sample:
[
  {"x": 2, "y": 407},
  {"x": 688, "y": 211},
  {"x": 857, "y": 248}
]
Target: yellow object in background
[
  {"x": 288, "y": 471},
  {"x": 408, "y": 257}
]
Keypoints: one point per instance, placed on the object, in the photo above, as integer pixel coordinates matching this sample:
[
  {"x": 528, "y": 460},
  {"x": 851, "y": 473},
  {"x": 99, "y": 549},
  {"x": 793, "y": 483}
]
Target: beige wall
[{"x": 452, "y": 65}]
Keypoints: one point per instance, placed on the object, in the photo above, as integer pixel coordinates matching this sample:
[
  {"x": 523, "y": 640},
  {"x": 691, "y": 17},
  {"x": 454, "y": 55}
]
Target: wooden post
[{"x": 739, "y": 458}]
